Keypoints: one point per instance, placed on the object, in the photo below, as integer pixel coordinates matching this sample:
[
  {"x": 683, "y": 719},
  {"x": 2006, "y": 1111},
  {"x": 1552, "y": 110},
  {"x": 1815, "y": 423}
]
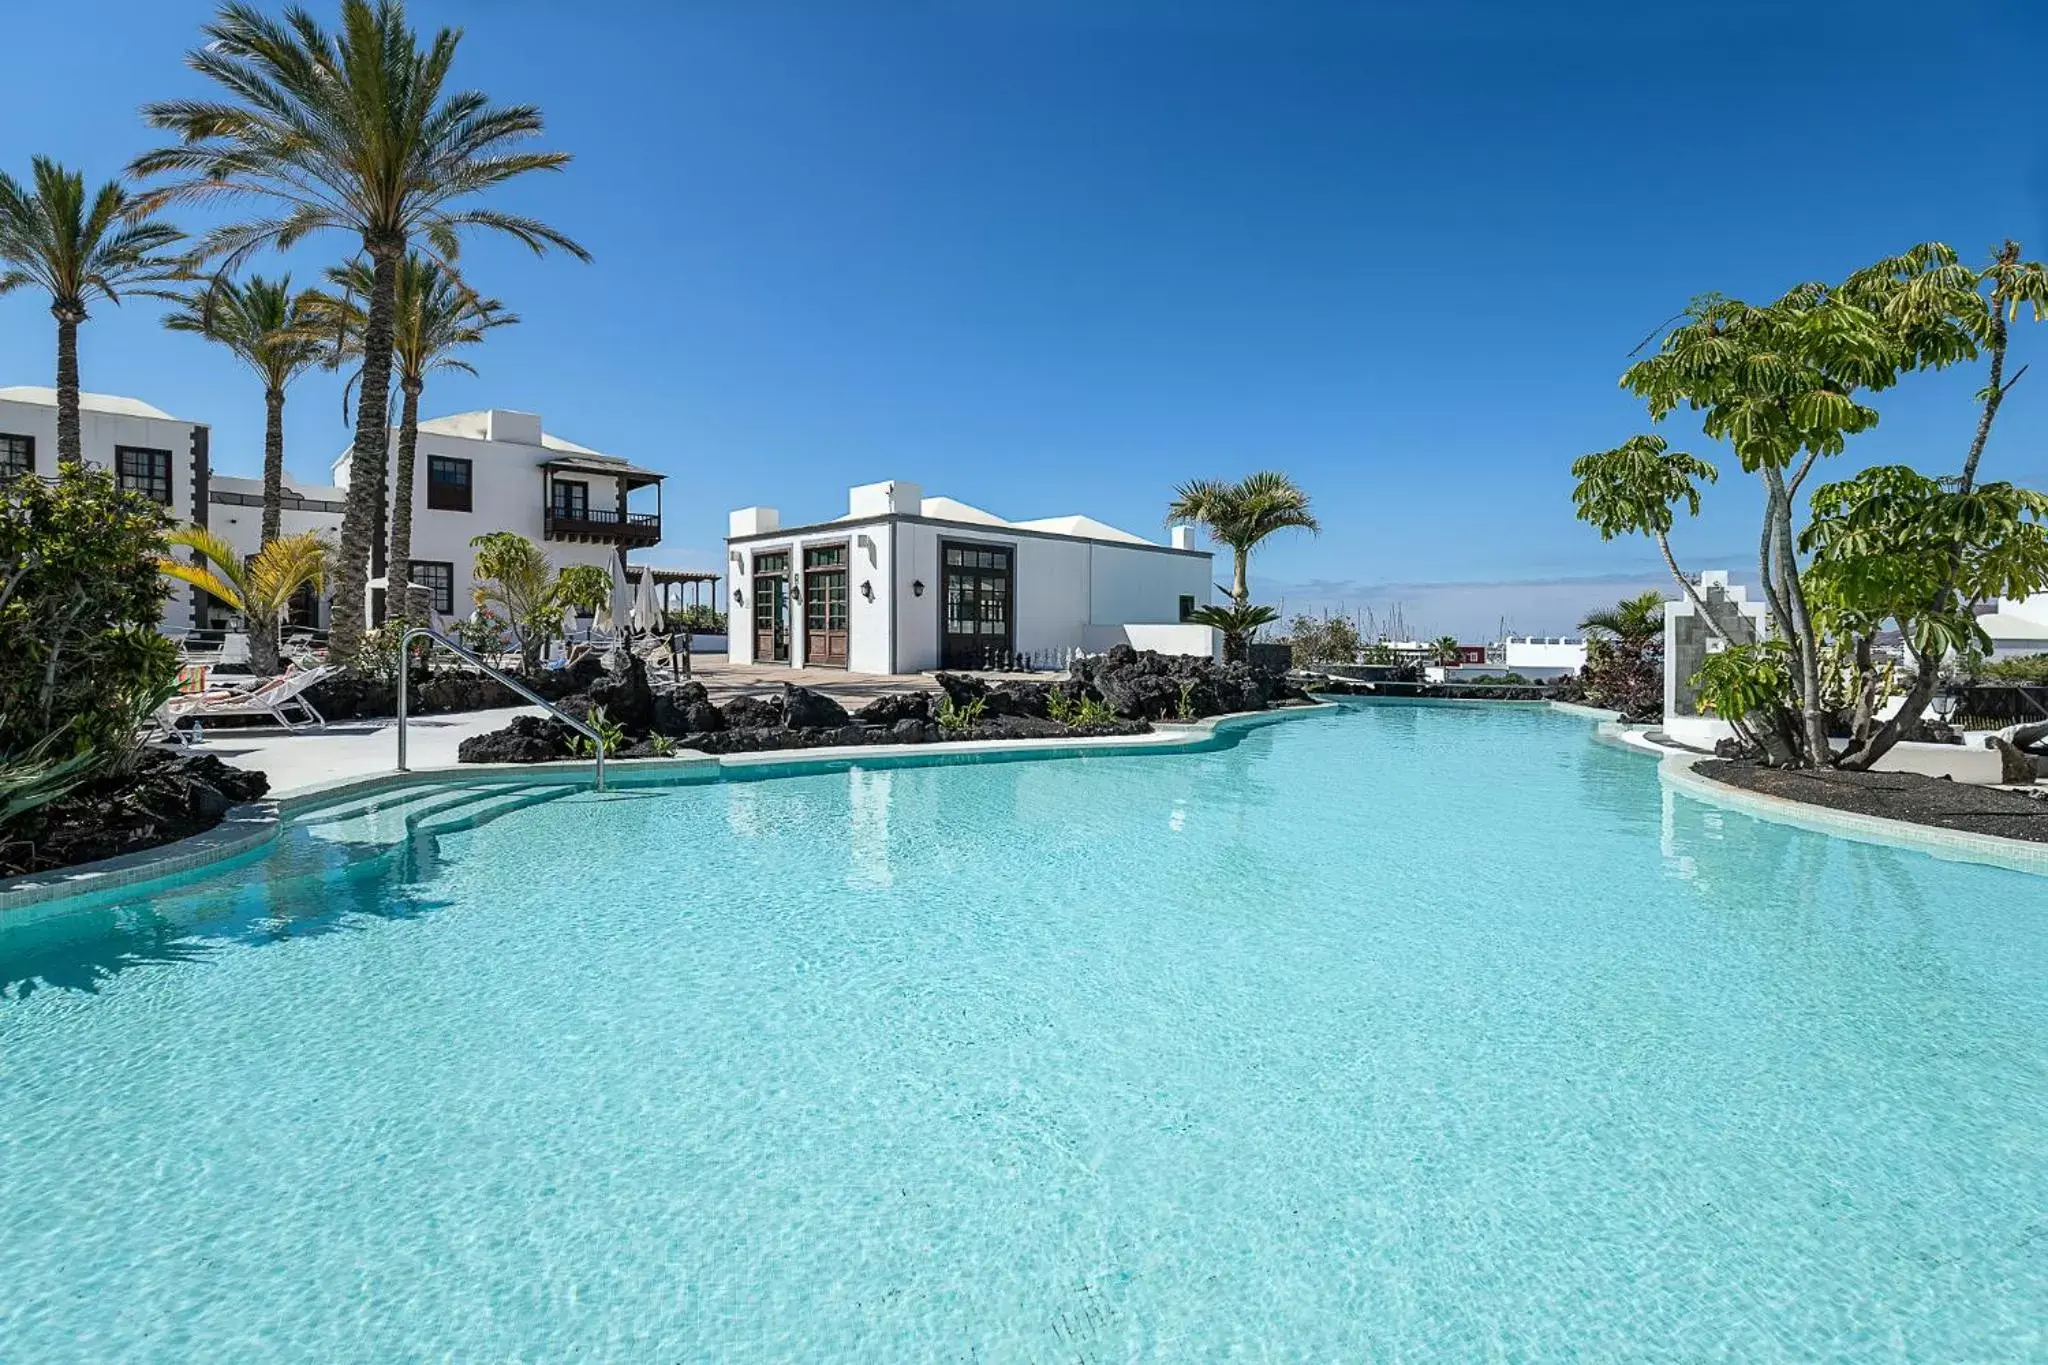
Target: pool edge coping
[
  {"x": 255, "y": 825},
  {"x": 1675, "y": 771}
]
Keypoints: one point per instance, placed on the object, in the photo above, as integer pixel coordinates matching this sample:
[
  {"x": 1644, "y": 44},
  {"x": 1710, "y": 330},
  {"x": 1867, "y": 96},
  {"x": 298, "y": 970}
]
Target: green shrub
[
  {"x": 2024, "y": 668},
  {"x": 80, "y": 599},
  {"x": 1078, "y": 708},
  {"x": 958, "y": 720}
]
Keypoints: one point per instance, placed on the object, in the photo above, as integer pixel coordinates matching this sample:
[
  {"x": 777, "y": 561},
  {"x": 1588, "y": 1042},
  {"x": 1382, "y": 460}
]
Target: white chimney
[
  {"x": 894, "y": 498},
  {"x": 752, "y": 521},
  {"x": 517, "y": 428},
  {"x": 1184, "y": 537}
]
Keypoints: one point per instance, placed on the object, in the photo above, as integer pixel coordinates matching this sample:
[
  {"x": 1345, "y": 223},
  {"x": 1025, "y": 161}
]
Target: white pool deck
[{"x": 350, "y": 749}]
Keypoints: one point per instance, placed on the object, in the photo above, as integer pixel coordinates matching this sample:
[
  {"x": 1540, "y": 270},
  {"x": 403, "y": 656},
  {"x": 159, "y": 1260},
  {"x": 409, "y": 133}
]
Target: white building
[
  {"x": 150, "y": 452},
  {"x": 2019, "y": 626},
  {"x": 1541, "y": 657},
  {"x": 473, "y": 472},
  {"x": 904, "y": 583}
]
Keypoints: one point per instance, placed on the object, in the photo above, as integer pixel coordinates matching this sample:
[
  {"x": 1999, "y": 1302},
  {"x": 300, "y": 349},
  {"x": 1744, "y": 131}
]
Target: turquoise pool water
[{"x": 1394, "y": 1034}]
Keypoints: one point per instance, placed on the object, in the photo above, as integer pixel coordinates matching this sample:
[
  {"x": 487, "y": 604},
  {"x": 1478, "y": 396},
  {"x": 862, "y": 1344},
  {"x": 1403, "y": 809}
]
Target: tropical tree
[
  {"x": 353, "y": 131},
  {"x": 1446, "y": 648},
  {"x": 1632, "y": 621},
  {"x": 435, "y": 315},
  {"x": 1243, "y": 514},
  {"x": 271, "y": 330},
  {"x": 515, "y": 583},
  {"x": 1785, "y": 384},
  {"x": 1238, "y": 622},
  {"x": 261, "y": 589},
  {"x": 1634, "y": 489},
  {"x": 79, "y": 248}
]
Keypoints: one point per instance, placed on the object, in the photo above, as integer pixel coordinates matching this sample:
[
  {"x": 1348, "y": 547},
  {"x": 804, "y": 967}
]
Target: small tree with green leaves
[
  {"x": 1238, "y": 624},
  {"x": 260, "y": 588}
]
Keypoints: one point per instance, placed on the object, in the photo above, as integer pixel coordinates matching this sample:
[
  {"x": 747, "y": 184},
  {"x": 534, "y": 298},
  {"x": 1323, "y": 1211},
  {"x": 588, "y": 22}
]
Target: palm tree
[
  {"x": 262, "y": 589},
  {"x": 1242, "y": 514},
  {"x": 353, "y": 131},
  {"x": 1239, "y": 622},
  {"x": 1633, "y": 621},
  {"x": 435, "y": 314},
  {"x": 78, "y": 249},
  {"x": 1446, "y": 648},
  {"x": 271, "y": 331}
]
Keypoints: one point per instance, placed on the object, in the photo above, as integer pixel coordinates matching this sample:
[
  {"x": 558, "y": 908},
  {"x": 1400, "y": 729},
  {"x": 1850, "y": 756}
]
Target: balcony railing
[{"x": 599, "y": 523}]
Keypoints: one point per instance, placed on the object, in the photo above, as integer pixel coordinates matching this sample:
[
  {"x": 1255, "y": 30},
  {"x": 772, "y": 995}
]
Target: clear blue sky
[{"x": 1056, "y": 255}]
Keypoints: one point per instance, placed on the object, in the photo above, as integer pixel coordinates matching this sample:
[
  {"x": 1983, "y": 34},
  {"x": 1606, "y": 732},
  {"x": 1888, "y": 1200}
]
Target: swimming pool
[{"x": 1394, "y": 1033}]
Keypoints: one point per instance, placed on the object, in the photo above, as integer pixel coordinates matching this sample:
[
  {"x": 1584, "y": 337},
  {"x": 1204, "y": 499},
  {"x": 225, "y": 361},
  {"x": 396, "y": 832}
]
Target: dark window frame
[
  {"x": 16, "y": 447},
  {"x": 573, "y": 509},
  {"x": 1187, "y": 606},
  {"x": 444, "y": 590},
  {"x": 159, "y": 471},
  {"x": 451, "y": 495}
]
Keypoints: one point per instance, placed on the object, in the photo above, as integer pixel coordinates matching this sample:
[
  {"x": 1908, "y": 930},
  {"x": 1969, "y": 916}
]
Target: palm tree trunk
[
  {"x": 410, "y": 607},
  {"x": 369, "y": 463},
  {"x": 273, "y": 468},
  {"x": 1240, "y": 585},
  {"x": 263, "y": 652},
  {"x": 70, "y": 441}
]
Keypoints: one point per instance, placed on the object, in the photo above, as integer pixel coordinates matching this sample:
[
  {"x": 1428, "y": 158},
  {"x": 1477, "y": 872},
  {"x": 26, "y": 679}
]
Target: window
[
  {"x": 965, "y": 558},
  {"x": 17, "y": 455},
  {"x": 448, "y": 484},
  {"x": 439, "y": 577},
  {"x": 572, "y": 499},
  {"x": 138, "y": 469},
  {"x": 1187, "y": 605},
  {"x": 778, "y": 562}
]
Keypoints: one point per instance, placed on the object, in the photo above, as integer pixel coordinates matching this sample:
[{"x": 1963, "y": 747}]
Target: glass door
[
  {"x": 975, "y": 629},
  {"x": 825, "y": 618},
  {"x": 771, "y": 608}
]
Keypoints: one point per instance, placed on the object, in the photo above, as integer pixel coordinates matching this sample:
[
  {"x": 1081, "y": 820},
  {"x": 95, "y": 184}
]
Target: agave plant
[{"x": 261, "y": 589}]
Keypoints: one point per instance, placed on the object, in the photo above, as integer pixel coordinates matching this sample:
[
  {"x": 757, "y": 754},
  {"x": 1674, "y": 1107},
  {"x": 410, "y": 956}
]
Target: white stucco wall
[
  {"x": 100, "y": 433},
  {"x": 1064, "y": 589}
]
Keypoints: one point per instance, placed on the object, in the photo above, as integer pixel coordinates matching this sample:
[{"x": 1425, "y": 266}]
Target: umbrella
[
  {"x": 646, "y": 611},
  {"x": 621, "y": 605}
]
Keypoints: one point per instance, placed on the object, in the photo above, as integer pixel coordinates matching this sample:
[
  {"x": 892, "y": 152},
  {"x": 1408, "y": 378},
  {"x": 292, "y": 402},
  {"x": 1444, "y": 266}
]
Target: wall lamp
[
  {"x": 867, "y": 589},
  {"x": 917, "y": 588},
  {"x": 738, "y": 597}
]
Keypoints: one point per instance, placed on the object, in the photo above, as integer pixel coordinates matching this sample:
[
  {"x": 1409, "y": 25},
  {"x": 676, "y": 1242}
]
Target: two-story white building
[
  {"x": 904, "y": 583},
  {"x": 473, "y": 472},
  {"x": 151, "y": 452}
]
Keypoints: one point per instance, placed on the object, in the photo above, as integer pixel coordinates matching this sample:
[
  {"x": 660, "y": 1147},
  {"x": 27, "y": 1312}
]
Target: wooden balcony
[{"x": 603, "y": 526}]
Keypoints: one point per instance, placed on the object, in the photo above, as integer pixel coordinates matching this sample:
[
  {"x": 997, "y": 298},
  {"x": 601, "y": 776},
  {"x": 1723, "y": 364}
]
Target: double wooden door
[
  {"x": 825, "y": 606},
  {"x": 771, "y": 608}
]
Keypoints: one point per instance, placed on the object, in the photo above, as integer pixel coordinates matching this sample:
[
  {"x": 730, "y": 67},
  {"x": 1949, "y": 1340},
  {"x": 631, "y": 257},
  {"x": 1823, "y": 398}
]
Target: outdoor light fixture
[
  {"x": 867, "y": 589},
  {"x": 917, "y": 588},
  {"x": 737, "y": 598},
  {"x": 1944, "y": 704}
]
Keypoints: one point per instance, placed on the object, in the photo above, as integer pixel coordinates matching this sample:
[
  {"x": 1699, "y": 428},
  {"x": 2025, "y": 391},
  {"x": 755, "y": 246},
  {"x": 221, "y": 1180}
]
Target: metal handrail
[{"x": 404, "y": 670}]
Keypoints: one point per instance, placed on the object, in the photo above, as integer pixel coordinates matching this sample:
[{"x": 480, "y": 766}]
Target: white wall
[
  {"x": 1064, "y": 589},
  {"x": 1558, "y": 653},
  {"x": 100, "y": 433}
]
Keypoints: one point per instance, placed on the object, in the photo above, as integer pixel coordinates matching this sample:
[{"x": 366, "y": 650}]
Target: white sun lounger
[{"x": 271, "y": 699}]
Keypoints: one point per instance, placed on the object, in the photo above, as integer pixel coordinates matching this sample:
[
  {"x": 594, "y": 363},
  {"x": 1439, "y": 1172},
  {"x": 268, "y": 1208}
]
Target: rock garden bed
[
  {"x": 1120, "y": 693},
  {"x": 1911, "y": 797},
  {"x": 161, "y": 797}
]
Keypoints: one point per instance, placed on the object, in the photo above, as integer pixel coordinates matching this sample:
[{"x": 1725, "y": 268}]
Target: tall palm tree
[
  {"x": 435, "y": 315},
  {"x": 271, "y": 330},
  {"x": 261, "y": 589},
  {"x": 1633, "y": 621},
  {"x": 78, "y": 248},
  {"x": 1242, "y": 514},
  {"x": 353, "y": 131}
]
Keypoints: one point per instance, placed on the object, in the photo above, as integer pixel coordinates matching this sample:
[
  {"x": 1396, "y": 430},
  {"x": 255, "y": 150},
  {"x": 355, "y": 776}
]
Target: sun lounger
[{"x": 273, "y": 698}]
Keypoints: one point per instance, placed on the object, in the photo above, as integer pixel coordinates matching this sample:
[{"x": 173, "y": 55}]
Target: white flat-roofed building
[
  {"x": 151, "y": 452},
  {"x": 904, "y": 583},
  {"x": 1539, "y": 657}
]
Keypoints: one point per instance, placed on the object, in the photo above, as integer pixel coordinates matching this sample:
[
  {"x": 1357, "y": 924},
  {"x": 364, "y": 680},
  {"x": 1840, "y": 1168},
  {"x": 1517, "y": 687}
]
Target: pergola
[{"x": 679, "y": 587}]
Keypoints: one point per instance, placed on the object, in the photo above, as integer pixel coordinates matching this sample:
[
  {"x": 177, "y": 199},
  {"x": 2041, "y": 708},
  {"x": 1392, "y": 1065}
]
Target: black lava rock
[
  {"x": 624, "y": 694},
  {"x": 528, "y": 739},
  {"x": 893, "y": 707},
  {"x": 752, "y": 713},
  {"x": 803, "y": 709},
  {"x": 909, "y": 730}
]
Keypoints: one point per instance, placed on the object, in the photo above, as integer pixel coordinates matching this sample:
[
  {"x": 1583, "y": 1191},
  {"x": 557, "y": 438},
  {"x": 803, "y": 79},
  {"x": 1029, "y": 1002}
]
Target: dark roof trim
[{"x": 971, "y": 527}]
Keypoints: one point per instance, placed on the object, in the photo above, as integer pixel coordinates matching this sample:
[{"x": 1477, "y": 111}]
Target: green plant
[
  {"x": 79, "y": 249},
  {"x": 958, "y": 720},
  {"x": 584, "y": 587},
  {"x": 697, "y": 618},
  {"x": 270, "y": 329},
  {"x": 663, "y": 746},
  {"x": 1184, "y": 702},
  {"x": 261, "y": 589},
  {"x": 2027, "y": 669},
  {"x": 1380, "y": 654},
  {"x": 1633, "y": 621},
  {"x": 1078, "y": 708},
  {"x": 39, "y": 776},
  {"x": 516, "y": 583},
  {"x": 1318, "y": 640},
  {"x": 1241, "y": 515},
  {"x": 1238, "y": 622},
  {"x": 80, "y": 598},
  {"x": 1754, "y": 687},
  {"x": 355, "y": 131},
  {"x": 612, "y": 733},
  {"x": 481, "y": 632}
]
